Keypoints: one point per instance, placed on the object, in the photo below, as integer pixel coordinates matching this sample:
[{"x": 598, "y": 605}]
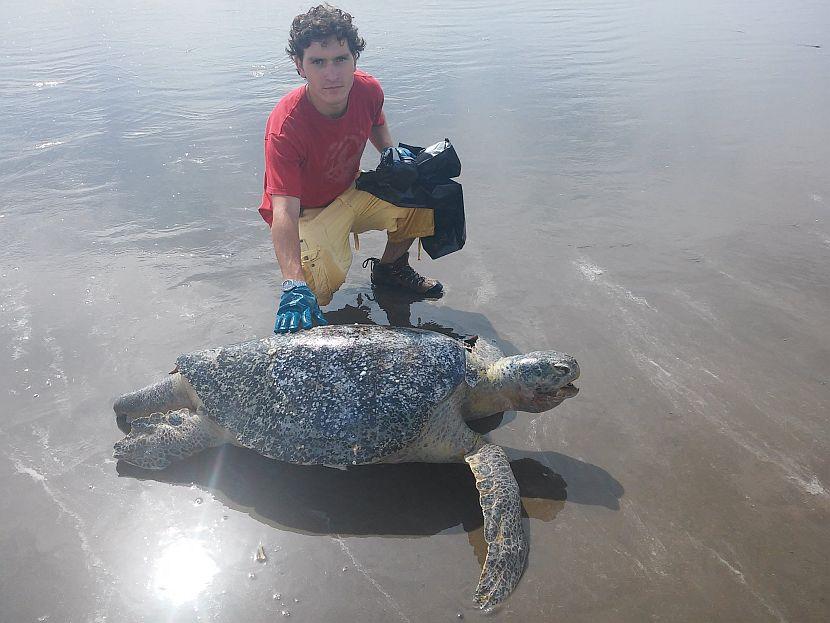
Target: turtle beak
[
  {"x": 568, "y": 391},
  {"x": 569, "y": 369}
]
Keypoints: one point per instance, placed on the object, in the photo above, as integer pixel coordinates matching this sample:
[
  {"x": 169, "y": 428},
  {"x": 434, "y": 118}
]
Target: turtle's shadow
[{"x": 403, "y": 499}]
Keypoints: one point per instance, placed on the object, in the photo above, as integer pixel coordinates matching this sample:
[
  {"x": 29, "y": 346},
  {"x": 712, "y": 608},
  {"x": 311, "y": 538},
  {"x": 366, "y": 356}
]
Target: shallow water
[{"x": 647, "y": 188}]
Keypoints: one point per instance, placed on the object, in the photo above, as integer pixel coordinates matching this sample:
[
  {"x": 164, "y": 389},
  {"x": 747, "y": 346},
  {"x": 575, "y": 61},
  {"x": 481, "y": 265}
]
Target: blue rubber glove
[{"x": 297, "y": 308}]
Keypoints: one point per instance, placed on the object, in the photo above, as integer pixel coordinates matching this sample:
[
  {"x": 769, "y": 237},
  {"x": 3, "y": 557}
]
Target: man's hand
[{"x": 297, "y": 308}]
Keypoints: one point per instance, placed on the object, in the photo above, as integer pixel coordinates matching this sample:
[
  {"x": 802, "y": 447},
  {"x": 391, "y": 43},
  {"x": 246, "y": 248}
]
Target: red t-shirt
[{"x": 314, "y": 157}]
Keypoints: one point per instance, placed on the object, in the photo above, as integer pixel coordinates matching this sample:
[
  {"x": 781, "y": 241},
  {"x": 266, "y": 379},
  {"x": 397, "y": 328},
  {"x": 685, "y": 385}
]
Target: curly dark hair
[{"x": 319, "y": 24}]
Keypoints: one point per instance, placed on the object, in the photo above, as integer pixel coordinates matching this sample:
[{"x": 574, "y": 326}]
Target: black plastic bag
[
  {"x": 437, "y": 161},
  {"x": 450, "y": 226},
  {"x": 432, "y": 188},
  {"x": 396, "y": 171}
]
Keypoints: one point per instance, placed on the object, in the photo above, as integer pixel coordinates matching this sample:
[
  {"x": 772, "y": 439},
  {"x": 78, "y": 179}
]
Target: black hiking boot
[{"x": 401, "y": 276}]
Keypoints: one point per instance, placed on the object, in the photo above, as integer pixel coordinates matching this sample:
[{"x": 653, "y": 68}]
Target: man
[{"x": 313, "y": 142}]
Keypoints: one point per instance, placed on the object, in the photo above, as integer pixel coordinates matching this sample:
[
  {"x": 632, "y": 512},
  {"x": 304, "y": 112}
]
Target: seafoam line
[
  {"x": 44, "y": 84},
  {"x": 372, "y": 581},
  {"x": 80, "y": 525},
  {"x": 646, "y": 350},
  {"x": 49, "y": 144},
  {"x": 487, "y": 288},
  {"x": 738, "y": 575},
  {"x": 13, "y": 306},
  {"x": 657, "y": 551},
  {"x": 94, "y": 564},
  {"x": 594, "y": 273}
]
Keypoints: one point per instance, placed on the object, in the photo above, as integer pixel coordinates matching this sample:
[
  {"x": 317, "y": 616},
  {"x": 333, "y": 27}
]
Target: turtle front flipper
[
  {"x": 158, "y": 439},
  {"x": 507, "y": 544}
]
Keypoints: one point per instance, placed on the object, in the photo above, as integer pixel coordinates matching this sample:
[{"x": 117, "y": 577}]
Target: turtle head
[
  {"x": 534, "y": 382},
  {"x": 538, "y": 381}
]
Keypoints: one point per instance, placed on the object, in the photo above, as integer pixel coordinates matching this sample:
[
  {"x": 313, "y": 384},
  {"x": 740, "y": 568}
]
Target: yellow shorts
[{"x": 324, "y": 235}]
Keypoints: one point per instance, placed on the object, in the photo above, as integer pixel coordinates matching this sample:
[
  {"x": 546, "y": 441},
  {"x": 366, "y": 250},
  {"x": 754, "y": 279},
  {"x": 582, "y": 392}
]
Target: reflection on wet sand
[
  {"x": 183, "y": 570},
  {"x": 397, "y": 307}
]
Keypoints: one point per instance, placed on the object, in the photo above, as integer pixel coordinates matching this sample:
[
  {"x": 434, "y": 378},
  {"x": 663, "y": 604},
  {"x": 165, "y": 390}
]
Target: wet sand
[{"x": 660, "y": 212}]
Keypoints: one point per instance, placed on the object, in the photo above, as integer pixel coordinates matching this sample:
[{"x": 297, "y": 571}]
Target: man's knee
[{"x": 416, "y": 223}]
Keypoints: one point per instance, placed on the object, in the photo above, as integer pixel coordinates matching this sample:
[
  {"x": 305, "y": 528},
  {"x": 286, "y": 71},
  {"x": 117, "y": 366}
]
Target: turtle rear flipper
[
  {"x": 501, "y": 505},
  {"x": 158, "y": 439},
  {"x": 168, "y": 395}
]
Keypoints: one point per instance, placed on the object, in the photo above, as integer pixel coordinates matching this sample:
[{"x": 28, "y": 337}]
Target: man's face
[{"x": 329, "y": 69}]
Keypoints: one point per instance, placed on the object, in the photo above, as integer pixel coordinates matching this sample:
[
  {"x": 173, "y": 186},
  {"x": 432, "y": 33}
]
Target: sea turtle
[{"x": 354, "y": 395}]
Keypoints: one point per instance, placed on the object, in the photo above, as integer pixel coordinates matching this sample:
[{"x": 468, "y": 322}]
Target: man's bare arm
[
  {"x": 285, "y": 234},
  {"x": 381, "y": 137}
]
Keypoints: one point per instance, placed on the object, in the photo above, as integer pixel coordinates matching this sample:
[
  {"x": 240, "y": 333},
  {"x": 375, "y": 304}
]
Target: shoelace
[
  {"x": 404, "y": 271},
  {"x": 407, "y": 273}
]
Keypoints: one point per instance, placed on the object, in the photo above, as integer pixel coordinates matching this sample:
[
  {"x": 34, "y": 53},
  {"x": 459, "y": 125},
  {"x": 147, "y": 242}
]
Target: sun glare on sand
[{"x": 183, "y": 570}]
